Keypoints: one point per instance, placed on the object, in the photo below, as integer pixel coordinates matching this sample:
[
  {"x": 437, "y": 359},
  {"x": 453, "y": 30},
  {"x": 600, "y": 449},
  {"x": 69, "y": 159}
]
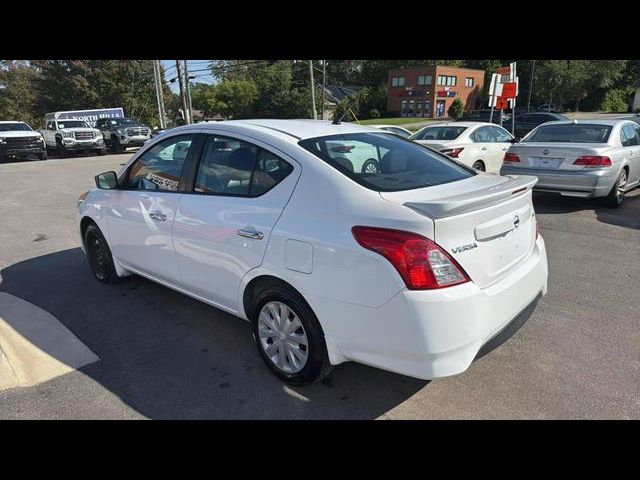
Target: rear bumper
[
  {"x": 438, "y": 333},
  {"x": 595, "y": 183}
]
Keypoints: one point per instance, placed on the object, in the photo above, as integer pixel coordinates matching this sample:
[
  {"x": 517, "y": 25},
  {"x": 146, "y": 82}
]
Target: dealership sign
[
  {"x": 503, "y": 88},
  {"x": 90, "y": 116},
  {"x": 445, "y": 93}
]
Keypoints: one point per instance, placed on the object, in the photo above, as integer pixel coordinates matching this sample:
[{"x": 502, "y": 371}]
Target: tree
[
  {"x": 456, "y": 109},
  {"x": 236, "y": 98},
  {"x": 18, "y": 96}
]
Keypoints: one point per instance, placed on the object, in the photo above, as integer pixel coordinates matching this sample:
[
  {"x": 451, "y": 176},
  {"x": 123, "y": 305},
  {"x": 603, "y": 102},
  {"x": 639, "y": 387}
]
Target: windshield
[
  {"x": 384, "y": 162},
  {"x": 72, "y": 124},
  {"x": 15, "y": 127},
  {"x": 570, "y": 133},
  {"x": 123, "y": 122},
  {"x": 438, "y": 133}
]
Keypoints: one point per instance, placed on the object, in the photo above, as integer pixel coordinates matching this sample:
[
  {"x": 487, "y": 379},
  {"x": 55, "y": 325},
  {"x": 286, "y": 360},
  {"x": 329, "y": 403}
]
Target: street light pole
[{"x": 533, "y": 68}]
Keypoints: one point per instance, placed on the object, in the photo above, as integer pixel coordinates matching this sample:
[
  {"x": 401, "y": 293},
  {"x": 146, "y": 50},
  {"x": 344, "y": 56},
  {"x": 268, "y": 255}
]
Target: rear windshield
[
  {"x": 384, "y": 162},
  {"x": 15, "y": 127},
  {"x": 570, "y": 133},
  {"x": 438, "y": 133}
]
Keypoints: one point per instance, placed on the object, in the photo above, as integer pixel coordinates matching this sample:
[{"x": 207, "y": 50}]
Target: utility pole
[
  {"x": 182, "y": 95},
  {"x": 324, "y": 84},
  {"x": 157, "y": 80},
  {"x": 313, "y": 93},
  {"x": 188, "y": 89},
  {"x": 533, "y": 68},
  {"x": 163, "y": 117}
]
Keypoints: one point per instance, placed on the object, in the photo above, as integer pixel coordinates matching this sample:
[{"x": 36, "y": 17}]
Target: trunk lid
[
  {"x": 486, "y": 223},
  {"x": 556, "y": 156},
  {"x": 437, "y": 144}
]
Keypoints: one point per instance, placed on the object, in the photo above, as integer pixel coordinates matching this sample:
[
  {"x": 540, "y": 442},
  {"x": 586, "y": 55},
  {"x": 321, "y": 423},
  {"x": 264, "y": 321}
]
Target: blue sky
[{"x": 195, "y": 66}]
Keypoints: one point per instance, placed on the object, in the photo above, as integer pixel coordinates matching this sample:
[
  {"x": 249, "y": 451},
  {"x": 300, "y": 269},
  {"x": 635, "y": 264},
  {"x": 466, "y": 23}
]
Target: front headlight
[
  {"x": 2, "y": 140},
  {"x": 68, "y": 134},
  {"x": 98, "y": 135}
]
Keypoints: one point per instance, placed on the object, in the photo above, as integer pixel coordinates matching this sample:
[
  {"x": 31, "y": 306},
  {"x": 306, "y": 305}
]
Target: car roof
[
  {"x": 586, "y": 121},
  {"x": 294, "y": 130}
]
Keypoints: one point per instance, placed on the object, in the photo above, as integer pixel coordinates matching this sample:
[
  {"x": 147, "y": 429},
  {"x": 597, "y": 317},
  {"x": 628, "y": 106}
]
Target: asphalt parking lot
[{"x": 164, "y": 355}]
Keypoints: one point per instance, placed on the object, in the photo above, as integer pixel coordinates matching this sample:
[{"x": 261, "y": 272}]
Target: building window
[
  {"x": 468, "y": 82},
  {"x": 397, "y": 81},
  {"x": 447, "y": 80},
  {"x": 425, "y": 79}
]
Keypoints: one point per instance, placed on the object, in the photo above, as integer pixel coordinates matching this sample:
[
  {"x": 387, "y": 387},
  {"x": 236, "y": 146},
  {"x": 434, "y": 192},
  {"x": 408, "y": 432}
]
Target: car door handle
[
  {"x": 160, "y": 217},
  {"x": 250, "y": 234}
]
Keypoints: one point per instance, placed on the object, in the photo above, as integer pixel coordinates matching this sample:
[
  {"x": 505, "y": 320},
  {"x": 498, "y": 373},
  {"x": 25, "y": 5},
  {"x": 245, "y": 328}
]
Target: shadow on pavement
[
  {"x": 627, "y": 216},
  {"x": 169, "y": 356}
]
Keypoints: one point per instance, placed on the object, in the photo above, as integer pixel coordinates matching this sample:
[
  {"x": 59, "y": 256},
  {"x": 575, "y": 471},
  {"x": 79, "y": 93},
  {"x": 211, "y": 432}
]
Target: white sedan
[
  {"x": 416, "y": 269},
  {"x": 479, "y": 145}
]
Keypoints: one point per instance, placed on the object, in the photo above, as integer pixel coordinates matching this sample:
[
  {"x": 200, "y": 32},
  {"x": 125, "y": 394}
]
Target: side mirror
[{"x": 107, "y": 181}]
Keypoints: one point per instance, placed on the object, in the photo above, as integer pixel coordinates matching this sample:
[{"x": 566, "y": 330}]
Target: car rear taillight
[
  {"x": 511, "y": 157},
  {"x": 452, "y": 152},
  {"x": 593, "y": 161},
  {"x": 421, "y": 263}
]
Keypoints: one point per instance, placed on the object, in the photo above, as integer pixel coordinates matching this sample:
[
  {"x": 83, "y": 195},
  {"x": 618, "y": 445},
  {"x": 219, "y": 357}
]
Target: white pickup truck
[{"x": 65, "y": 136}]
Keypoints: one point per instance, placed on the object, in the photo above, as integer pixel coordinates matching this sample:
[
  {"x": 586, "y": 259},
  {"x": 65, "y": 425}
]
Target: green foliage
[
  {"x": 456, "y": 109},
  {"x": 17, "y": 96},
  {"x": 616, "y": 100}
]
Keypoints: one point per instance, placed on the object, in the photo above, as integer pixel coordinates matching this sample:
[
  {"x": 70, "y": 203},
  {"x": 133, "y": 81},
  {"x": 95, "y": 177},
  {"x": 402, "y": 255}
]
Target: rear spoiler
[{"x": 514, "y": 185}]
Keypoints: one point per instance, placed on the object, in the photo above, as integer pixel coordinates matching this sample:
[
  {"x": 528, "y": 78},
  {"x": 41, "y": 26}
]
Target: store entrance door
[{"x": 440, "y": 108}]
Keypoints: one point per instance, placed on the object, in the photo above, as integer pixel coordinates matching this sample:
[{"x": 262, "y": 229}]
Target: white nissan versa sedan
[{"x": 411, "y": 269}]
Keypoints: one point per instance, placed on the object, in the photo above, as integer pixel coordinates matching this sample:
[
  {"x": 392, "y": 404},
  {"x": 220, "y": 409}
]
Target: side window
[
  {"x": 628, "y": 136},
  {"x": 501, "y": 135},
  {"x": 483, "y": 135},
  {"x": 270, "y": 170},
  {"x": 234, "y": 167},
  {"x": 160, "y": 167}
]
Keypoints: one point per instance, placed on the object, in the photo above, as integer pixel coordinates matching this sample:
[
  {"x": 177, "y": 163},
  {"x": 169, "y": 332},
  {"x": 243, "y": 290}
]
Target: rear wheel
[
  {"x": 479, "y": 165},
  {"x": 616, "y": 196},
  {"x": 99, "y": 255},
  {"x": 288, "y": 335},
  {"x": 370, "y": 167}
]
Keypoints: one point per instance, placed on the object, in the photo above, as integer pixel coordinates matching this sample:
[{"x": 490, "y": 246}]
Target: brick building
[{"x": 429, "y": 91}]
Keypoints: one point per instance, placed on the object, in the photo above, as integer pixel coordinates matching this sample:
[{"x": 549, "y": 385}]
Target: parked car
[
  {"x": 590, "y": 158},
  {"x": 412, "y": 269},
  {"x": 485, "y": 115},
  {"x": 123, "y": 133},
  {"x": 403, "y": 132},
  {"x": 19, "y": 140},
  {"x": 526, "y": 122},
  {"x": 549, "y": 108},
  {"x": 70, "y": 136},
  {"x": 479, "y": 145}
]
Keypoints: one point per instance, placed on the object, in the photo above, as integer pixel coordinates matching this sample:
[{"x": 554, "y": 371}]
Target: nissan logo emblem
[
  {"x": 545, "y": 151},
  {"x": 516, "y": 221}
]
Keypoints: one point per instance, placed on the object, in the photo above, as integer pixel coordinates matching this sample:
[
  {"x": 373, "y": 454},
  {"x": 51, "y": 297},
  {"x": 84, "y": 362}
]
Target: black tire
[
  {"x": 43, "y": 155},
  {"x": 615, "y": 198},
  {"x": 102, "y": 151},
  {"x": 116, "y": 146},
  {"x": 62, "y": 151},
  {"x": 369, "y": 166},
  {"x": 317, "y": 366},
  {"x": 479, "y": 166},
  {"x": 99, "y": 255}
]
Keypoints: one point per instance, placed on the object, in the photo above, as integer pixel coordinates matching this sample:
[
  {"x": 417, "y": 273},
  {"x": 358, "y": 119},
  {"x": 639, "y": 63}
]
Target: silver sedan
[{"x": 588, "y": 158}]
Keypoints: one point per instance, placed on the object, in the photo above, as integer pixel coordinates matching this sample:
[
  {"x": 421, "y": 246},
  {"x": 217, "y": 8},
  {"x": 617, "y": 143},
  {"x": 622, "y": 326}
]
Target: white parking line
[{"x": 35, "y": 346}]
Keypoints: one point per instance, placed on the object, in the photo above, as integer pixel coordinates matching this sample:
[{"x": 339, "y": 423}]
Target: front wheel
[
  {"x": 99, "y": 256},
  {"x": 289, "y": 337},
  {"x": 43, "y": 155},
  {"x": 616, "y": 196},
  {"x": 62, "y": 151}
]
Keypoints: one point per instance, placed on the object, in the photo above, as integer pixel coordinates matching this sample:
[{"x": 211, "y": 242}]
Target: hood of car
[{"x": 19, "y": 134}]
